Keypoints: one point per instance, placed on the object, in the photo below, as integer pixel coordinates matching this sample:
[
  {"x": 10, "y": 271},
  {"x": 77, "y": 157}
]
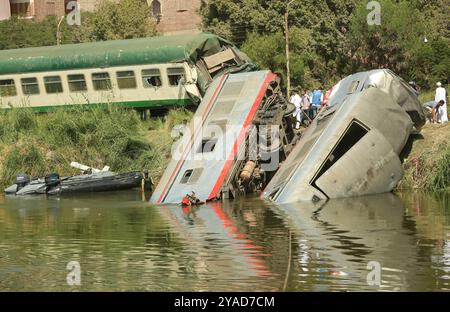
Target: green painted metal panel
[
  {"x": 130, "y": 104},
  {"x": 152, "y": 50}
]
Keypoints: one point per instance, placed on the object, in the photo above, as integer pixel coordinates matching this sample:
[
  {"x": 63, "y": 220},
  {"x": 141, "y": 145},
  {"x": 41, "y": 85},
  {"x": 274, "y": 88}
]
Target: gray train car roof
[
  {"x": 367, "y": 93},
  {"x": 227, "y": 108}
]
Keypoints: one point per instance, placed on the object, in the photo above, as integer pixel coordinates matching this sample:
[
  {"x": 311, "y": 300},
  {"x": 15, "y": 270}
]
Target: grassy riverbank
[
  {"x": 428, "y": 165},
  {"x": 40, "y": 144}
]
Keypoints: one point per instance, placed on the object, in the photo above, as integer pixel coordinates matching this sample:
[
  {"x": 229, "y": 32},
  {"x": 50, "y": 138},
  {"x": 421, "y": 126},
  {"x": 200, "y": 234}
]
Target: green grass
[
  {"x": 39, "y": 144},
  {"x": 428, "y": 165},
  {"x": 426, "y": 96}
]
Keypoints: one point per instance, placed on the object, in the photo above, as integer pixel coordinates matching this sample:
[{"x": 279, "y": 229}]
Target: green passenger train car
[{"x": 143, "y": 73}]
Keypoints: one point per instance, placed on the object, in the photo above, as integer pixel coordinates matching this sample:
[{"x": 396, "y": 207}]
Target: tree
[
  {"x": 125, "y": 19},
  {"x": 21, "y": 33},
  {"x": 432, "y": 63},
  {"x": 399, "y": 42},
  {"x": 326, "y": 22},
  {"x": 268, "y": 51},
  {"x": 388, "y": 45},
  {"x": 341, "y": 42}
]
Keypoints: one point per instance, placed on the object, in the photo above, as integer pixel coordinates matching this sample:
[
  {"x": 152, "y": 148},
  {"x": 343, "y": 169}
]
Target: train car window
[
  {"x": 7, "y": 87},
  {"x": 151, "y": 78},
  {"x": 175, "y": 75},
  {"x": 126, "y": 80},
  {"x": 30, "y": 86},
  {"x": 53, "y": 84},
  {"x": 353, "y": 87},
  {"x": 101, "y": 81},
  {"x": 208, "y": 145},
  {"x": 77, "y": 83}
]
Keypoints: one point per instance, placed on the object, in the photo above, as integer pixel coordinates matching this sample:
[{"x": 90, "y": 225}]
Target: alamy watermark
[
  {"x": 374, "y": 276},
  {"x": 74, "y": 16},
  {"x": 374, "y": 16},
  {"x": 74, "y": 276}
]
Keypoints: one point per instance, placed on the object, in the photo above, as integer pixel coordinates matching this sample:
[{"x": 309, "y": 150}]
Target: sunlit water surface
[{"x": 124, "y": 244}]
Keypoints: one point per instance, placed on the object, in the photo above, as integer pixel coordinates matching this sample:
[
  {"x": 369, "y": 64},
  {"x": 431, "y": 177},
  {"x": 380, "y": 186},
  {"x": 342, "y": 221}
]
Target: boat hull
[{"x": 98, "y": 183}]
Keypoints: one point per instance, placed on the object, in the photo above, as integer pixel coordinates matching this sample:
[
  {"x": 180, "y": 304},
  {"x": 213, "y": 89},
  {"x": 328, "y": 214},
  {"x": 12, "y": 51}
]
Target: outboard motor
[
  {"x": 22, "y": 180},
  {"x": 52, "y": 180}
]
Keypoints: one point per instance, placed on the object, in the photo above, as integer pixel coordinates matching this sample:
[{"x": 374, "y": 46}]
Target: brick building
[
  {"x": 172, "y": 16},
  {"x": 39, "y": 9},
  {"x": 176, "y": 16}
]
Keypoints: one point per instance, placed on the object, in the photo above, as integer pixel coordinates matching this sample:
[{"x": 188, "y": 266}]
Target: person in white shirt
[
  {"x": 441, "y": 95},
  {"x": 297, "y": 100}
]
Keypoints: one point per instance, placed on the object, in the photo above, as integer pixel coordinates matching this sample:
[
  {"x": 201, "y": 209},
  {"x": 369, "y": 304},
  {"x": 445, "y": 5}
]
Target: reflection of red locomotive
[{"x": 198, "y": 222}]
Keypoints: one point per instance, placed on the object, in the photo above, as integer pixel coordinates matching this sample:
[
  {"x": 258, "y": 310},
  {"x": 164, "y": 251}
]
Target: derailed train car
[
  {"x": 352, "y": 148},
  {"x": 143, "y": 73},
  {"x": 218, "y": 155}
]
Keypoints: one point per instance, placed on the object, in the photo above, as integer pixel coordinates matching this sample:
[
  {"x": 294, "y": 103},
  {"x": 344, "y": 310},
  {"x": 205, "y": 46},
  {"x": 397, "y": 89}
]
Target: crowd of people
[{"x": 308, "y": 104}]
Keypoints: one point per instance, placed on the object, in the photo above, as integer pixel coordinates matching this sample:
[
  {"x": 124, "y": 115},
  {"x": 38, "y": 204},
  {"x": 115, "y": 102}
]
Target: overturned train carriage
[
  {"x": 219, "y": 154},
  {"x": 352, "y": 148}
]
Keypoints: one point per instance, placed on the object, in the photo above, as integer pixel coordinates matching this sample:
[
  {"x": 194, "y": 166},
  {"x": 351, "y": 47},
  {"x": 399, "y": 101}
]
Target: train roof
[{"x": 150, "y": 50}]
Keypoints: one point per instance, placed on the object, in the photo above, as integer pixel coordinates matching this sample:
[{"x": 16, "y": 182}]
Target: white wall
[{"x": 5, "y": 10}]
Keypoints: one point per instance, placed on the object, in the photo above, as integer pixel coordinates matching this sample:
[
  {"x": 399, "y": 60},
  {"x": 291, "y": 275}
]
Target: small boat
[
  {"x": 94, "y": 181},
  {"x": 97, "y": 182}
]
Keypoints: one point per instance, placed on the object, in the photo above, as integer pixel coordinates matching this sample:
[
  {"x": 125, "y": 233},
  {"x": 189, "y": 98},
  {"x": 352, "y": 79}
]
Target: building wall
[
  {"x": 5, "y": 11},
  {"x": 44, "y": 8},
  {"x": 177, "y": 16}
]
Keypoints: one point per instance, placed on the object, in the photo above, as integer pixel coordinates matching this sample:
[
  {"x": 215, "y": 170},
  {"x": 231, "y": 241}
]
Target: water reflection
[
  {"x": 336, "y": 240},
  {"x": 123, "y": 243}
]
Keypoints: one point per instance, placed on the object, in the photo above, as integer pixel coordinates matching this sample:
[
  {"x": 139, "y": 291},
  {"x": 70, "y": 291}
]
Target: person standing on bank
[
  {"x": 297, "y": 101},
  {"x": 441, "y": 95}
]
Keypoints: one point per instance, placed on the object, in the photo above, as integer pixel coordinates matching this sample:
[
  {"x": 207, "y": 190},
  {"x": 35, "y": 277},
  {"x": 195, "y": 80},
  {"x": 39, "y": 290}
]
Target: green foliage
[
  {"x": 441, "y": 178},
  {"x": 303, "y": 60},
  {"x": 428, "y": 165},
  {"x": 124, "y": 19},
  {"x": 399, "y": 42},
  {"x": 22, "y": 33},
  {"x": 40, "y": 144},
  {"x": 317, "y": 30},
  {"x": 338, "y": 39},
  {"x": 388, "y": 45},
  {"x": 432, "y": 63},
  {"x": 24, "y": 158}
]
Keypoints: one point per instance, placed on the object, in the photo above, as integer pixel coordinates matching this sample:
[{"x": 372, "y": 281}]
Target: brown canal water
[{"x": 124, "y": 244}]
